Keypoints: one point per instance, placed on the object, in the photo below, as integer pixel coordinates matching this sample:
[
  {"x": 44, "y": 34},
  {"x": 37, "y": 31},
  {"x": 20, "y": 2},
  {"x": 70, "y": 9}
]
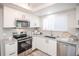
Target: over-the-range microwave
[{"x": 22, "y": 24}]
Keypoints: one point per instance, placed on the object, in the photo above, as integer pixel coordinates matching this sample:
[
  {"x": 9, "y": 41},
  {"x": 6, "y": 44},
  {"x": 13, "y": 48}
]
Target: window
[
  {"x": 48, "y": 22},
  {"x": 56, "y": 22},
  {"x": 61, "y": 23}
]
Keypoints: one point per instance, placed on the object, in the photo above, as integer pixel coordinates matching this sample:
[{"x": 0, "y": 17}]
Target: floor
[
  {"x": 35, "y": 52},
  {"x": 38, "y": 53}
]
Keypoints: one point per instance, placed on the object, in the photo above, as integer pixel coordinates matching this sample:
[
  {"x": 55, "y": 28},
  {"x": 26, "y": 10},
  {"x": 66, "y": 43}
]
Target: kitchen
[{"x": 39, "y": 29}]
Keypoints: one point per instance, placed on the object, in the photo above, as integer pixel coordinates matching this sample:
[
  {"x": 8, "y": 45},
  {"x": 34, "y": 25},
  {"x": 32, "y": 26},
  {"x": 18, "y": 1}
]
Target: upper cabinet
[
  {"x": 77, "y": 17},
  {"x": 34, "y": 21},
  {"x": 10, "y": 15}
]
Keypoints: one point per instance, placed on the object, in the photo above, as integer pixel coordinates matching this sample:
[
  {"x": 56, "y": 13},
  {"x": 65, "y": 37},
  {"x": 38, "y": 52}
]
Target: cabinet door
[
  {"x": 9, "y": 17},
  {"x": 34, "y": 43},
  {"x": 77, "y": 17},
  {"x": 34, "y": 21},
  {"x": 40, "y": 43},
  {"x": 11, "y": 49},
  {"x": 37, "y": 43},
  {"x": 46, "y": 45},
  {"x": 52, "y": 47}
]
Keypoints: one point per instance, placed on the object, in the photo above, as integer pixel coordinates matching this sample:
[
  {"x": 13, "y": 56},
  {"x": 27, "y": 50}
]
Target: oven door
[{"x": 24, "y": 45}]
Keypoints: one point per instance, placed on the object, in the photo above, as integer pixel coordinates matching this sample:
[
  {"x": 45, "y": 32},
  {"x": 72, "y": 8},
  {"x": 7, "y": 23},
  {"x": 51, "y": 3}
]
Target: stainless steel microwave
[{"x": 22, "y": 24}]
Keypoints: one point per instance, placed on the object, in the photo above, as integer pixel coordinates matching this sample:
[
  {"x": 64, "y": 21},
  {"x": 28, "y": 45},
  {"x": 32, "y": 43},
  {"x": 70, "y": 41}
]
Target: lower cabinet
[
  {"x": 34, "y": 41},
  {"x": 52, "y": 47},
  {"x": 11, "y": 49},
  {"x": 46, "y": 45}
]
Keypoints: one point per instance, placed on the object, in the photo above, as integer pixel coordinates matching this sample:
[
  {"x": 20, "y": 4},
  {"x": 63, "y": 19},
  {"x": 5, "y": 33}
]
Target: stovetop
[{"x": 23, "y": 38}]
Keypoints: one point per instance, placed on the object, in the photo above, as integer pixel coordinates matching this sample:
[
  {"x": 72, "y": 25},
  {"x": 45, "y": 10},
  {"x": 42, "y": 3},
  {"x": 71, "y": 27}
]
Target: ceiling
[
  {"x": 36, "y": 5},
  {"x": 58, "y": 7},
  {"x": 33, "y": 7},
  {"x": 41, "y": 9}
]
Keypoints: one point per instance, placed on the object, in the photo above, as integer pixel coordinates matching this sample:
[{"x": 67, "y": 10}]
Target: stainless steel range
[{"x": 24, "y": 41}]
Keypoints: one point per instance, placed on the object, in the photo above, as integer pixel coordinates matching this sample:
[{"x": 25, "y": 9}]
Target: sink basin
[{"x": 50, "y": 37}]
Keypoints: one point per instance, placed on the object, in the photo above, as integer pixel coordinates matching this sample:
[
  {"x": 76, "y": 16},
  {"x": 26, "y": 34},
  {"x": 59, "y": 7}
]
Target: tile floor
[{"x": 38, "y": 53}]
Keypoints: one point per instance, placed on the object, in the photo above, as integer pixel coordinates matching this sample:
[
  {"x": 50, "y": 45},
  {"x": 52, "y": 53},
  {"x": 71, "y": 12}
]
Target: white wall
[{"x": 71, "y": 19}]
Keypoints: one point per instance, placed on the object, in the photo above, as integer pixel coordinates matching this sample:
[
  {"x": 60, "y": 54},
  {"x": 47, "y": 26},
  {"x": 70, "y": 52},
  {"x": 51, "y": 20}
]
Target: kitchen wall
[{"x": 71, "y": 24}]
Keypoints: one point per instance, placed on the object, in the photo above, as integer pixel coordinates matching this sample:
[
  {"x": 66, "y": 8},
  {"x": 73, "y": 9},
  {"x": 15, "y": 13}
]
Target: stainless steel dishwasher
[{"x": 65, "y": 49}]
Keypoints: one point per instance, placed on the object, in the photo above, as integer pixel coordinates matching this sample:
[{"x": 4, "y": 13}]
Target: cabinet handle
[{"x": 11, "y": 43}]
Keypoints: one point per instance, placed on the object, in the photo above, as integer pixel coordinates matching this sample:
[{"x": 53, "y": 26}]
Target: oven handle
[{"x": 24, "y": 40}]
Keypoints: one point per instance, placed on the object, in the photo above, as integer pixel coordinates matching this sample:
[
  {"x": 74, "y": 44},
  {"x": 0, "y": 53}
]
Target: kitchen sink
[{"x": 50, "y": 37}]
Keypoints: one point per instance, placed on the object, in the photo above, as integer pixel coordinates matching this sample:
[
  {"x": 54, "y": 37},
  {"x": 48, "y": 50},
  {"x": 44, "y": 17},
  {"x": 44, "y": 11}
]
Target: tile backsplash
[
  {"x": 29, "y": 31},
  {"x": 7, "y": 33},
  {"x": 55, "y": 33}
]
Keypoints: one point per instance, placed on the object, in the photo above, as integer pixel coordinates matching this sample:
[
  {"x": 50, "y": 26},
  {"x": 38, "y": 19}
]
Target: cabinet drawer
[
  {"x": 11, "y": 54},
  {"x": 10, "y": 48}
]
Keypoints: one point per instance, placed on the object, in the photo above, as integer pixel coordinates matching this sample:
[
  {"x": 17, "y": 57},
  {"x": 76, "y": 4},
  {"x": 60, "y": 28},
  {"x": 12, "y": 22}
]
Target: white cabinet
[
  {"x": 41, "y": 43},
  {"x": 34, "y": 21},
  {"x": 11, "y": 49},
  {"x": 34, "y": 41},
  {"x": 77, "y": 17},
  {"x": 52, "y": 47},
  {"x": 9, "y": 17},
  {"x": 46, "y": 45}
]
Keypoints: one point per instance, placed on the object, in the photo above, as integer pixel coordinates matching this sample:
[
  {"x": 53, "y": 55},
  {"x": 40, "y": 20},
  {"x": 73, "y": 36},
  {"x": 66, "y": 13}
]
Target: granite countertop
[
  {"x": 69, "y": 42},
  {"x": 7, "y": 41},
  {"x": 59, "y": 39}
]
